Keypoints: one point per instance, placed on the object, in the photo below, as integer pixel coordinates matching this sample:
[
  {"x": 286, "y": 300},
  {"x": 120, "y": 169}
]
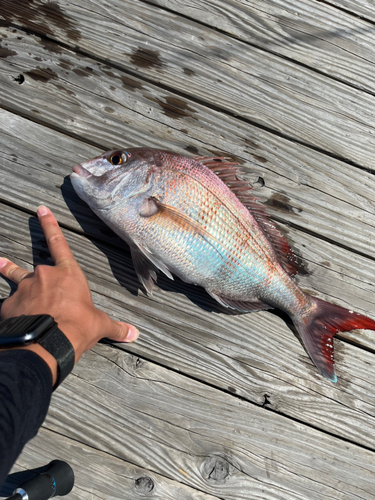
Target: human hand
[{"x": 62, "y": 292}]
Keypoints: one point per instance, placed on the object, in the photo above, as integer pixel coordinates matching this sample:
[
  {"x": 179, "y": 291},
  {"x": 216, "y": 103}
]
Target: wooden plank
[
  {"x": 253, "y": 356},
  {"x": 219, "y": 70},
  {"x": 202, "y": 437},
  {"x": 299, "y": 185},
  {"x": 362, "y": 8},
  {"x": 33, "y": 172},
  {"x": 98, "y": 474},
  {"x": 315, "y": 34}
]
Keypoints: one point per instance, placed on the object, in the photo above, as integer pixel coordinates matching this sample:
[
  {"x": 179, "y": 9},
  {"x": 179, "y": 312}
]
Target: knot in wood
[
  {"x": 144, "y": 485},
  {"x": 216, "y": 468}
]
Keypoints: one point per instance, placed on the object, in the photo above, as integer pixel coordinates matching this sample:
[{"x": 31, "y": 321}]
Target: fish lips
[
  {"x": 79, "y": 171},
  {"x": 85, "y": 185},
  {"x": 78, "y": 179}
]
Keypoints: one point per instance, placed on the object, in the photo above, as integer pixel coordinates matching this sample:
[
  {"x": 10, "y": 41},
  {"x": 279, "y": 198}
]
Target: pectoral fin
[{"x": 153, "y": 207}]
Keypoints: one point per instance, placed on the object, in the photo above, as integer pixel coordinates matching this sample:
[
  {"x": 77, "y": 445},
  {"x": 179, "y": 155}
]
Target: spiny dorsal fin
[{"x": 228, "y": 172}]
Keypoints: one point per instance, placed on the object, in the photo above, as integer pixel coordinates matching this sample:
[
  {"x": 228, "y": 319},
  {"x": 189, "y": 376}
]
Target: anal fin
[{"x": 240, "y": 305}]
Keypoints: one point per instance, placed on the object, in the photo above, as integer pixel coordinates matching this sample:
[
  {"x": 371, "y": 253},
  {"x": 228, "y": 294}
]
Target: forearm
[
  {"x": 45, "y": 355},
  {"x": 25, "y": 393}
]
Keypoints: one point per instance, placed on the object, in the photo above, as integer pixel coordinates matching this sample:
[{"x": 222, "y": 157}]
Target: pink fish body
[{"x": 194, "y": 218}]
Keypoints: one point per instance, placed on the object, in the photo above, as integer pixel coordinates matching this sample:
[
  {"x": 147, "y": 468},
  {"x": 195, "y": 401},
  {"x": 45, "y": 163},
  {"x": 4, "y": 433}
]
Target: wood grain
[
  {"x": 100, "y": 475},
  {"x": 217, "y": 70},
  {"x": 315, "y": 34},
  {"x": 301, "y": 186},
  {"x": 197, "y": 435},
  {"x": 250, "y": 355},
  {"x": 205, "y": 404},
  {"x": 362, "y": 8}
]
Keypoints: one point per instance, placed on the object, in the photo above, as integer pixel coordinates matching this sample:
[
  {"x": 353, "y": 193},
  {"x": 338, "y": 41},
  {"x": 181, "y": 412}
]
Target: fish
[{"x": 195, "y": 218}]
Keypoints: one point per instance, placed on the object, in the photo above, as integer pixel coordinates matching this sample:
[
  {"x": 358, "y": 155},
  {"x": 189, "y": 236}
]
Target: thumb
[{"x": 123, "y": 332}]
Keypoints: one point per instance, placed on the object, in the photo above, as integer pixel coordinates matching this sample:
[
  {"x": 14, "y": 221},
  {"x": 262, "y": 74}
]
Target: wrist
[
  {"x": 44, "y": 354},
  {"x": 40, "y": 334}
]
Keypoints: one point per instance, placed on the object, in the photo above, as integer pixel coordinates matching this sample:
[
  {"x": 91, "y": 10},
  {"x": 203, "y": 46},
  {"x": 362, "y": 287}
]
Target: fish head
[{"x": 113, "y": 177}]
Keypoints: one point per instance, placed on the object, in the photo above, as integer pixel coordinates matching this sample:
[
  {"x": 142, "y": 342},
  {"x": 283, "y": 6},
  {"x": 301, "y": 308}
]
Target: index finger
[{"x": 56, "y": 241}]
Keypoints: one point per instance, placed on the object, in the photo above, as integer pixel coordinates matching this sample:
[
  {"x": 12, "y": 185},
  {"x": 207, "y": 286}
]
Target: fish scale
[
  {"x": 197, "y": 202},
  {"x": 196, "y": 219}
]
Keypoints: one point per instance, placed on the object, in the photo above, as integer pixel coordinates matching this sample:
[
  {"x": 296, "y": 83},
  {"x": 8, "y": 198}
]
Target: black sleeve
[{"x": 25, "y": 394}]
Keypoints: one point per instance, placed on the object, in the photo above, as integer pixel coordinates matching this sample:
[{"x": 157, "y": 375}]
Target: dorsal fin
[{"x": 228, "y": 172}]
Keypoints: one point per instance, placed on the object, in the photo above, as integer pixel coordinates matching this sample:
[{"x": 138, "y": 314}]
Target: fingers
[
  {"x": 123, "y": 332},
  {"x": 56, "y": 241},
  {"x": 13, "y": 272}
]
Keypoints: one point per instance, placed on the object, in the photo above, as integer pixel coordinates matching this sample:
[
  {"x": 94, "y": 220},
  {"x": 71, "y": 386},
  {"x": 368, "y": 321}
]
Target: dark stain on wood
[
  {"x": 251, "y": 143},
  {"x": 231, "y": 389},
  {"x": 51, "y": 47},
  {"x": 189, "y": 72},
  {"x": 64, "y": 63},
  {"x": 4, "y": 53},
  {"x": 109, "y": 110},
  {"x": 42, "y": 74},
  {"x": 34, "y": 14},
  {"x": 260, "y": 159},
  {"x": 280, "y": 202},
  {"x": 192, "y": 149},
  {"x": 130, "y": 84},
  {"x": 109, "y": 73},
  {"x": 64, "y": 89},
  {"x": 223, "y": 154},
  {"x": 296, "y": 258},
  {"x": 326, "y": 263},
  {"x": 145, "y": 58},
  {"x": 82, "y": 71},
  {"x": 175, "y": 108}
]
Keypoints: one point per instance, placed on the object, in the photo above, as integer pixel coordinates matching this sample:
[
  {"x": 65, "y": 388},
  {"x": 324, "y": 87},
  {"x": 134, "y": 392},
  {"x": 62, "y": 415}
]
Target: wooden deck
[{"x": 205, "y": 405}]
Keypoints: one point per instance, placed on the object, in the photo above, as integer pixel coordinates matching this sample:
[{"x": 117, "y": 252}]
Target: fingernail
[
  {"x": 132, "y": 335},
  {"x": 42, "y": 210},
  {"x": 3, "y": 262}
]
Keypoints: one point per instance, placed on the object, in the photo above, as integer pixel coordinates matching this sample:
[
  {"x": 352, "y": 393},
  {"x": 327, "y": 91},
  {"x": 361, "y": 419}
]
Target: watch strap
[{"x": 57, "y": 344}]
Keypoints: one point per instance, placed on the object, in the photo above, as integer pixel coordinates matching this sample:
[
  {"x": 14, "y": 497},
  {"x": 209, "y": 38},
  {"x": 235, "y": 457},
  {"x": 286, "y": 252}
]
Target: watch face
[{"x": 24, "y": 330}]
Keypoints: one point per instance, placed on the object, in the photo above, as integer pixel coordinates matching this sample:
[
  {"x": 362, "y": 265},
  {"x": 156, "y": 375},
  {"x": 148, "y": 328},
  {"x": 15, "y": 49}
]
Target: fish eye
[{"x": 116, "y": 159}]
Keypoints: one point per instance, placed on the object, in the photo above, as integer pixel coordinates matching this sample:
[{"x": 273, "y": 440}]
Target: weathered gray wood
[
  {"x": 315, "y": 34},
  {"x": 101, "y": 475},
  {"x": 302, "y": 186},
  {"x": 219, "y": 70},
  {"x": 202, "y": 437},
  {"x": 250, "y": 355},
  {"x": 33, "y": 172},
  {"x": 363, "y": 8}
]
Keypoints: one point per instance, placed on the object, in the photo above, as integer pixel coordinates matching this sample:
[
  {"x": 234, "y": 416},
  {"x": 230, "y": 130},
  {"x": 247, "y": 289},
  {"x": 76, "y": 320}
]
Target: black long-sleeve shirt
[{"x": 25, "y": 394}]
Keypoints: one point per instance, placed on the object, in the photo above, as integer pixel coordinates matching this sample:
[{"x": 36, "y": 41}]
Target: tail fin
[{"x": 318, "y": 330}]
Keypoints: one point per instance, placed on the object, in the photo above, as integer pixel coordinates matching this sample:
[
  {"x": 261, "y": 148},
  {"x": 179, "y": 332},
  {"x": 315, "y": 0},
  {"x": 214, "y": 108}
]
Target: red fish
[{"x": 196, "y": 219}]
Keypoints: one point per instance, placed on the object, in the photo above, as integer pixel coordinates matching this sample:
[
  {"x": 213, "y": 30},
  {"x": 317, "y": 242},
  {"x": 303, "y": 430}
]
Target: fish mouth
[{"x": 79, "y": 171}]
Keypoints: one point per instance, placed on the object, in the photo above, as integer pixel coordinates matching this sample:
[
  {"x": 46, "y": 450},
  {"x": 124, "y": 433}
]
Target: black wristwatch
[{"x": 41, "y": 329}]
